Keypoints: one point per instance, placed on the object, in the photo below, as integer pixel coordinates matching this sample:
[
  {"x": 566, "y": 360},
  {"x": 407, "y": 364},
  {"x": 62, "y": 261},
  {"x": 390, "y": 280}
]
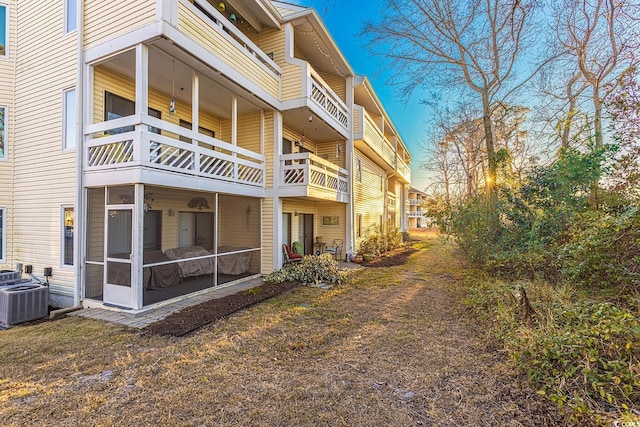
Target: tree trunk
[{"x": 490, "y": 180}]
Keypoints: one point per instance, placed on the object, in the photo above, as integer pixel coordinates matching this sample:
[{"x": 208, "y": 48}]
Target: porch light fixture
[
  {"x": 172, "y": 103},
  {"x": 338, "y": 150},
  {"x": 221, "y": 7}
]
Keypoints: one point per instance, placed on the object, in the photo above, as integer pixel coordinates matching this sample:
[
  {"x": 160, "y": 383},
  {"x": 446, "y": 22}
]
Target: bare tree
[
  {"x": 475, "y": 45},
  {"x": 600, "y": 38}
]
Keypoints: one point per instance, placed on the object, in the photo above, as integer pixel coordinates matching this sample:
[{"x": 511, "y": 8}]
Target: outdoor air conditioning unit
[
  {"x": 8, "y": 277},
  {"x": 23, "y": 302}
]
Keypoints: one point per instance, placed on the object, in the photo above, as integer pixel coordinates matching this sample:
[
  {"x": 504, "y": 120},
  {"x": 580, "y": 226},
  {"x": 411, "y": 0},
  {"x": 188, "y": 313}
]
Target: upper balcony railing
[
  {"x": 415, "y": 214},
  {"x": 322, "y": 94},
  {"x": 209, "y": 28},
  {"x": 374, "y": 137},
  {"x": 403, "y": 170},
  {"x": 415, "y": 202},
  {"x": 129, "y": 142},
  {"x": 309, "y": 170}
]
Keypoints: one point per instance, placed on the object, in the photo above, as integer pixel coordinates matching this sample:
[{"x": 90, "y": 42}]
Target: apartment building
[
  {"x": 415, "y": 214},
  {"x": 165, "y": 147}
]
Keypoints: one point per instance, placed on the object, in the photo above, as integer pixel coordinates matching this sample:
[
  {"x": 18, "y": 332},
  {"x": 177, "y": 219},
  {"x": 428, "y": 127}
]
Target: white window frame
[
  {"x": 67, "y": 30},
  {"x": 358, "y": 170},
  {"x": 5, "y": 134},
  {"x": 68, "y": 120},
  {"x": 62, "y": 235},
  {"x": 6, "y": 30},
  {"x": 3, "y": 245}
]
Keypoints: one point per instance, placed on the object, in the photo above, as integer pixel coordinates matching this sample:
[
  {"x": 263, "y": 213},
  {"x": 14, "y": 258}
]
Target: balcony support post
[{"x": 195, "y": 116}]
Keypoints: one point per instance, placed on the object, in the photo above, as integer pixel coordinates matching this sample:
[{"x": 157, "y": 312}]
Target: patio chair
[
  {"x": 335, "y": 249},
  {"x": 297, "y": 248},
  {"x": 289, "y": 256}
]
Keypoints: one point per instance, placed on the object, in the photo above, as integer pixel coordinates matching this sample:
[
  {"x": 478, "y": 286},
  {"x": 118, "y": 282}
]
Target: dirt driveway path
[{"x": 395, "y": 347}]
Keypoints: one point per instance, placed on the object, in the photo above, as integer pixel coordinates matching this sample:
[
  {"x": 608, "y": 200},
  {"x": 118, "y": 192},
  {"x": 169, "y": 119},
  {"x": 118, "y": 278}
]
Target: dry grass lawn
[{"x": 394, "y": 347}]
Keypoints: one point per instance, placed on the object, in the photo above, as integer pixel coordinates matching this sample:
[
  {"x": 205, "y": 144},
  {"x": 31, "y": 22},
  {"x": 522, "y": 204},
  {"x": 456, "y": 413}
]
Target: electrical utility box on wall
[{"x": 23, "y": 303}]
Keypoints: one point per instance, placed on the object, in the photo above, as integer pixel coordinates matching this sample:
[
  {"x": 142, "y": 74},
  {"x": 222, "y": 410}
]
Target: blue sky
[{"x": 344, "y": 20}]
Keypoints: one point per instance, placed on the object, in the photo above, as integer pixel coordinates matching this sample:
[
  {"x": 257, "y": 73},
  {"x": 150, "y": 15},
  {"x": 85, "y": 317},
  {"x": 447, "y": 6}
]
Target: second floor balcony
[
  {"x": 308, "y": 98},
  {"x": 416, "y": 214},
  {"x": 131, "y": 149},
  {"x": 307, "y": 175}
]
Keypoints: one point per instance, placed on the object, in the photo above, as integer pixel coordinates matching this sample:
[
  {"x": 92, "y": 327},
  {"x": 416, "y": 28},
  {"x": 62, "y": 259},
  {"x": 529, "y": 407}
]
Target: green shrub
[
  {"x": 582, "y": 355},
  {"x": 375, "y": 243},
  {"x": 311, "y": 270},
  {"x": 604, "y": 250}
]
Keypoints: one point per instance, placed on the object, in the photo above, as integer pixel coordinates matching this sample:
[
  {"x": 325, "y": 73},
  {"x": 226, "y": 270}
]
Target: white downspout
[{"x": 79, "y": 210}]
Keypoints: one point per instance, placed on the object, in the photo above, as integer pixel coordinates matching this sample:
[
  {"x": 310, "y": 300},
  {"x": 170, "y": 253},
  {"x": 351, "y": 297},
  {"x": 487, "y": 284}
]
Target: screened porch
[{"x": 150, "y": 244}]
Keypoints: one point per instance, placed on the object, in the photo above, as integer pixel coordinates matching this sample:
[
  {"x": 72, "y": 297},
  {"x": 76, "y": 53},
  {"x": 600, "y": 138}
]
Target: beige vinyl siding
[
  {"x": 267, "y": 236},
  {"x": 44, "y": 176},
  {"x": 249, "y": 132},
  {"x": 106, "y": 20},
  {"x": 329, "y": 233},
  {"x": 329, "y": 152},
  {"x": 7, "y": 83},
  {"x": 291, "y": 82},
  {"x": 356, "y": 121},
  {"x": 239, "y": 59},
  {"x": 368, "y": 197},
  {"x": 269, "y": 151}
]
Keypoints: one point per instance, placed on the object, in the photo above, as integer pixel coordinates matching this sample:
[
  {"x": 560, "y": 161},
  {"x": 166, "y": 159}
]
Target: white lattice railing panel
[
  {"x": 173, "y": 157},
  {"x": 215, "y": 167},
  {"x": 250, "y": 174},
  {"x": 119, "y": 152},
  {"x": 294, "y": 176}
]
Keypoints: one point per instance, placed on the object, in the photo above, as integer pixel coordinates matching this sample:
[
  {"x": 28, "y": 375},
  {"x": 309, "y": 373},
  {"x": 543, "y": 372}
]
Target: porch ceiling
[
  {"x": 170, "y": 69},
  {"x": 317, "y": 129}
]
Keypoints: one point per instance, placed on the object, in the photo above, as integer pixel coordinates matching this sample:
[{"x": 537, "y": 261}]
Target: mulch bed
[
  {"x": 392, "y": 258},
  {"x": 191, "y": 318}
]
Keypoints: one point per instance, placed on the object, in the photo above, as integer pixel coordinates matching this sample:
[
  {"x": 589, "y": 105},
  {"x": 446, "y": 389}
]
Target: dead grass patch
[{"x": 392, "y": 347}]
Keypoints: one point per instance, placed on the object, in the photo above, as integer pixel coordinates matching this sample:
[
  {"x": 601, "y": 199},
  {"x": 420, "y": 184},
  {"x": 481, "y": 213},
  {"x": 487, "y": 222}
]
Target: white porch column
[
  {"x": 142, "y": 79},
  {"x": 137, "y": 234},
  {"x": 234, "y": 120},
  {"x": 350, "y": 232},
  {"x": 195, "y": 102}
]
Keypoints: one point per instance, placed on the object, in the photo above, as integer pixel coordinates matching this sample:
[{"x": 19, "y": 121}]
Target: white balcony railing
[
  {"x": 309, "y": 170},
  {"x": 403, "y": 169},
  {"x": 233, "y": 34},
  {"x": 322, "y": 94},
  {"x": 129, "y": 142},
  {"x": 414, "y": 202},
  {"x": 415, "y": 214}
]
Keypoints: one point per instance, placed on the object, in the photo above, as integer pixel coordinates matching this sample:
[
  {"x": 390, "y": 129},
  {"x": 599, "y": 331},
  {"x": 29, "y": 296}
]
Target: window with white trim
[
  {"x": 69, "y": 120},
  {"x": 68, "y": 229},
  {"x": 3, "y": 132},
  {"x": 70, "y": 13},
  {"x": 3, "y": 234},
  {"x": 4, "y": 30},
  {"x": 358, "y": 170}
]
